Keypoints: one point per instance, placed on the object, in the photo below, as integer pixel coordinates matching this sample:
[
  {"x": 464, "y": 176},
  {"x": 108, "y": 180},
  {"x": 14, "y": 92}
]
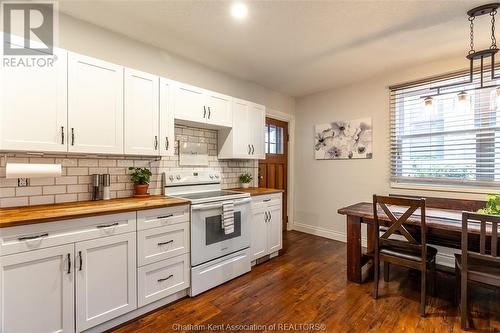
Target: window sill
[{"x": 446, "y": 188}]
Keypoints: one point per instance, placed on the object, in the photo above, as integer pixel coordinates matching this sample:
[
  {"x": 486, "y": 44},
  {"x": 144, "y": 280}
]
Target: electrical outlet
[{"x": 23, "y": 182}]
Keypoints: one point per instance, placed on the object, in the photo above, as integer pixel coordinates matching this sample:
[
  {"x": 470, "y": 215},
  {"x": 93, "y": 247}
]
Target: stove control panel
[{"x": 192, "y": 177}]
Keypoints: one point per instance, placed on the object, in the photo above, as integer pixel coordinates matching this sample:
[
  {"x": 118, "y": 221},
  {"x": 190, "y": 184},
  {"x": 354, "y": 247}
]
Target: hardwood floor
[{"x": 307, "y": 285}]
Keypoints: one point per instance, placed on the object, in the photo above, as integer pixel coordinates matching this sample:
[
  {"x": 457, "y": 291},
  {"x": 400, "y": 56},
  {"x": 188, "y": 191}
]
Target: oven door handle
[{"x": 206, "y": 206}]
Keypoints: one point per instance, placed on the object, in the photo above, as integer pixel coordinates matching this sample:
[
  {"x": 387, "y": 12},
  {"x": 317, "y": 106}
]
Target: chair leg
[
  {"x": 422, "y": 292},
  {"x": 386, "y": 271},
  {"x": 433, "y": 277},
  {"x": 376, "y": 277},
  {"x": 464, "y": 301},
  {"x": 456, "y": 297}
]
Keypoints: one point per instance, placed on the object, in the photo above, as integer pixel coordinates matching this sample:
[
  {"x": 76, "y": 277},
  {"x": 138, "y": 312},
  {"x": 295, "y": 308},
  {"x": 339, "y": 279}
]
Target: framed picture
[{"x": 346, "y": 139}]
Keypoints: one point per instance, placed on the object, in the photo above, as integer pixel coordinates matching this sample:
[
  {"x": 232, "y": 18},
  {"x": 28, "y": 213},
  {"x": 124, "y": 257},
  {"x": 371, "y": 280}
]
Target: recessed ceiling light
[{"x": 239, "y": 10}]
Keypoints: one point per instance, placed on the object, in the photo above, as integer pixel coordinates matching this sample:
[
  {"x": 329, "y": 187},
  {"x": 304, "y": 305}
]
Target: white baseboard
[
  {"x": 444, "y": 257},
  {"x": 322, "y": 232}
]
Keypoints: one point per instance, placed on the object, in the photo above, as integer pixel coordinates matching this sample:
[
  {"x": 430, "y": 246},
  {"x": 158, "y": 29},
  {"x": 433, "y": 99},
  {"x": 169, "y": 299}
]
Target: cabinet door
[
  {"x": 274, "y": 232},
  {"x": 37, "y": 289},
  {"x": 167, "y": 128},
  {"x": 33, "y": 107},
  {"x": 189, "y": 104},
  {"x": 95, "y": 105},
  {"x": 241, "y": 129},
  {"x": 141, "y": 113},
  {"x": 106, "y": 279},
  {"x": 257, "y": 121},
  {"x": 219, "y": 110},
  {"x": 258, "y": 246}
]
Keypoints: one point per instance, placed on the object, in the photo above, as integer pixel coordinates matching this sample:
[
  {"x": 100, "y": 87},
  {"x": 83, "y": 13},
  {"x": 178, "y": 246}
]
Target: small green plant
[
  {"x": 246, "y": 178},
  {"x": 492, "y": 205},
  {"x": 140, "y": 176}
]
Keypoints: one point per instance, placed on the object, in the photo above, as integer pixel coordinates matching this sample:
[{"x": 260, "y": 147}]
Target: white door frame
[{"x": 290, "y": 119}]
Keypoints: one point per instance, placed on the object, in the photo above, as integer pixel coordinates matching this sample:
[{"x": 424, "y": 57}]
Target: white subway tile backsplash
[{"x": 74, "y": 184}]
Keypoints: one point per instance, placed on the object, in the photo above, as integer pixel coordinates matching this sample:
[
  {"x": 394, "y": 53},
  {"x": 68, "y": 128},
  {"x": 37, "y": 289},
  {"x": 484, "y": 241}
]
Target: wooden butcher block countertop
[
  {"x": 10, "y": 217},
  {"x": 257, "y": 190}
]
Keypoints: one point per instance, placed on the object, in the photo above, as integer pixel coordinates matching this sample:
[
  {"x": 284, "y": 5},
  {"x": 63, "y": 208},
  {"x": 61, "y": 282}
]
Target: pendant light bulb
[
  {"x": 463, "y": 97},
  {"x": 428, "y": 101}
]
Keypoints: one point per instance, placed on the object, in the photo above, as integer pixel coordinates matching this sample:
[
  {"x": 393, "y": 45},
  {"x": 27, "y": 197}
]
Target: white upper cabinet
[
  {"x": 167, "y": 134},
  {"x": 37, "y": 289},
  {"x": 200, "y": 107},
  {"x": 257, "y": 124},
  {"x": 245, "y": 140},
  {"x": 220, "y": 112},
  {"x": 33, "y": 107},
  {"x": 189, "y": 104},
  {"x": 142, "y": 113},
  {"x": 95, "y": 106}
]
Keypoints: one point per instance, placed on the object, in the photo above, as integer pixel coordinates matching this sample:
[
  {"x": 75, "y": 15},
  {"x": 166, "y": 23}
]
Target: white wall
[
  {"x": 85, "y": 38},
  {"x": 322, "y": 187}
]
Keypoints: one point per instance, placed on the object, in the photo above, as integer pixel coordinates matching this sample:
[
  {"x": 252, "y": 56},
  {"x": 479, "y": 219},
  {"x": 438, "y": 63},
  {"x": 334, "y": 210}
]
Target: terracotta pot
[
  {"x": 141, "y": 190},
  {"x": 245, "y": 185}
]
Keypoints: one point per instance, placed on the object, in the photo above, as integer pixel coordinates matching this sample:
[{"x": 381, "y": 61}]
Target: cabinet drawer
[
  {"x": 269, "y": 200},
  {"x": 163, "y": 278},
  {"x": 160, "y": 217},
  {"x": 43, "y": 235},
  {"x": 161, "y": 243}
]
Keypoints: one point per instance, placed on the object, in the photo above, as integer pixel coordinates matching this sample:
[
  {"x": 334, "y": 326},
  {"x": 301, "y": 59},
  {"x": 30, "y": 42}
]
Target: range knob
[
  {"x": 178, "y": 177},
  {"x": 171, "y": 178}
]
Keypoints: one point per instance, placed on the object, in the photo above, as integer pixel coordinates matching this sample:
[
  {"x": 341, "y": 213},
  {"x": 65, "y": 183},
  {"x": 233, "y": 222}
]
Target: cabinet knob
[
  {"x": 62, "y": 135},
  {"x": 156, "y": 142}
]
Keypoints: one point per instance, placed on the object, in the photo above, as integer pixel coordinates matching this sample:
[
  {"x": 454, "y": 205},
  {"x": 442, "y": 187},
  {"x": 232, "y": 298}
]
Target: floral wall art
[{"x": 348, "y": 139}]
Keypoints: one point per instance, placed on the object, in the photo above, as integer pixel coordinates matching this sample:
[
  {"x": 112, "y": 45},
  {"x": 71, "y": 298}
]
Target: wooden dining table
[{"x": 444, "y": 228}]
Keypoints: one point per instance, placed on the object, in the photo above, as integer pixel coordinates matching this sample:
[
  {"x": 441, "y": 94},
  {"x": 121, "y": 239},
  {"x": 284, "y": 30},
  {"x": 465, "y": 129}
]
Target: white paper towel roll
[{"x": 25, "y": 170}]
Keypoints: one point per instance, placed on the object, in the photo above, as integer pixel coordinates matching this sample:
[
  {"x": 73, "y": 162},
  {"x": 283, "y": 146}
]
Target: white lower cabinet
[
  {"x": 37, "y": 289},
  {"x": 267, "y": 237},
  {"x": 105, "y": 279},
  {"x": 163, "y": 278}
]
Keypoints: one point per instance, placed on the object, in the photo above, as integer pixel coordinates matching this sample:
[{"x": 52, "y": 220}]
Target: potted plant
[
  {"x": 245, "y": 180},
  {"x": 492, "y": 205},
  {"x": 141, "y": 178}
]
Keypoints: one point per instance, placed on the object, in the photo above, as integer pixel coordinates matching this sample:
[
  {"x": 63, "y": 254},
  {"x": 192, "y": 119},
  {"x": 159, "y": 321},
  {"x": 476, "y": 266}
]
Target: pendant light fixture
[{"x": 473, "y": 55}]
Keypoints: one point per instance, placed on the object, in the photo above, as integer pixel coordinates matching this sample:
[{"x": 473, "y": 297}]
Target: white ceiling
[{"x": 296, "y": 47}]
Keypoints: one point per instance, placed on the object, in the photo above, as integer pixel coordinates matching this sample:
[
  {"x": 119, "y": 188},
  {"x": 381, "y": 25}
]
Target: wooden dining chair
[
  {"x": 481, "y": 267},
  {"x": 412, "y": 252}
]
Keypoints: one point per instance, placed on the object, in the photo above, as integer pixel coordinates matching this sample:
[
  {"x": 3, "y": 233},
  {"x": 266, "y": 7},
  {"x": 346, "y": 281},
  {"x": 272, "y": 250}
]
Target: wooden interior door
[{"x": 273, "y": 171}]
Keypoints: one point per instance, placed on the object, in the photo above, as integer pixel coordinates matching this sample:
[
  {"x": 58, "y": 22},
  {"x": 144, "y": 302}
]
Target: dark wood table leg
[
  {"x": 370, "y": 246},
  {"x": 354, "y": 249}
]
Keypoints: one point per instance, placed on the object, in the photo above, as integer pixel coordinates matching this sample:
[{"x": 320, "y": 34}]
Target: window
[
  {"x": 450, "y": 141},
  {"x": 274, "y": 139}
]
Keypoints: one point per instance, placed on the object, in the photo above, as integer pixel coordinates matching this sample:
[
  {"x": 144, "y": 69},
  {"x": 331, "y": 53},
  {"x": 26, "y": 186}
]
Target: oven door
[{"x": 208, "y": 240}]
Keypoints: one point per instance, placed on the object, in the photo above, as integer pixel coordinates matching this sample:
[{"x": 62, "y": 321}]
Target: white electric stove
[{"x": 216, "y": 255}]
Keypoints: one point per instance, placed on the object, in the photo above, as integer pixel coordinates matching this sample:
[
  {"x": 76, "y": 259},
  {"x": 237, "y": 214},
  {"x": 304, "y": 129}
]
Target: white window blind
[{"x": 451, "y": 141}]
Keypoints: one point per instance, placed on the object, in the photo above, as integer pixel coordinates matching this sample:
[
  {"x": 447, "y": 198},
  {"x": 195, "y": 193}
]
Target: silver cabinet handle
[
  {"x": 208, "y": 112},
  {"x": 270, "y": 217},
  {"x": 167, "y": 144},
  {"x": 165, "y": 243},
  {"x": 72, "y": 136},
  {"x": 33, "y": 237},
  {"x": 266, "y": 200},
  {"x": 253, "y": 149},
  {"x": 165, "y": 216},
  {"x": 204, "y": 111},
  {"x": 249, "y": 150},
  {"x": 168, "y": 277},
  {"x": 156, "y": 142},
  {"x": 62, "y": 135},
  {"x": 107, "y": 225},
  {"x": 69, "y": 263},
  {"x": 265, "y": 217}
]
